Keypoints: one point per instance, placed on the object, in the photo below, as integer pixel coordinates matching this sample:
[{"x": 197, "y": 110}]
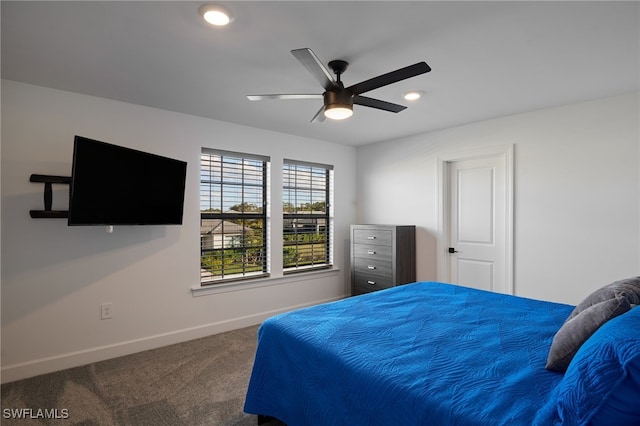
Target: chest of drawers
[{"x": 382, "y": 256}]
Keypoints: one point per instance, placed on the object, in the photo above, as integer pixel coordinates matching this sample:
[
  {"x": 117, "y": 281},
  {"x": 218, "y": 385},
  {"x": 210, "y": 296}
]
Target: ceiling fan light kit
[
  {"x": 216, "y": 15},
  {"x": 338, "y": 112},
  {"x": 338, "y": 104},
  {"x": 338, "y": 100}
]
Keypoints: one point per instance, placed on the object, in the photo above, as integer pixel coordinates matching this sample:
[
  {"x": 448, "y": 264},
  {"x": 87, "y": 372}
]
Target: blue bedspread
[{"x": 418, "y": 354}]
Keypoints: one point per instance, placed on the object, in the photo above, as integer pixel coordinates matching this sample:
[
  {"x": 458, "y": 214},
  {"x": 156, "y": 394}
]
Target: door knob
[{"x": 452, "y": 250}]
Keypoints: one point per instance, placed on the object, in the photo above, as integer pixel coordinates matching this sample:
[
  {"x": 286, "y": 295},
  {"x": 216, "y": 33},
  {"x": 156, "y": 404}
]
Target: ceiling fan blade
[
  {"x": 390, "y": 77},
  {"x": 319, "y": 117},
  {"x": 283, "y": 96},
  {"x": 315, "y": 67},
  {"x": 378, "y": 104}
]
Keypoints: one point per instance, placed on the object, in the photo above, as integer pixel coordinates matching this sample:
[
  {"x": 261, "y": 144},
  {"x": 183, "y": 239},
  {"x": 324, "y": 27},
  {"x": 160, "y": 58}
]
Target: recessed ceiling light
[
  {"x": 216, "y": 15},
  {"x": 412, "y": 95}
]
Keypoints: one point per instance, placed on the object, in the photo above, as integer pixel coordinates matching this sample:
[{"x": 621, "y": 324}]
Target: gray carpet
[{"x": 200, "y": 382}]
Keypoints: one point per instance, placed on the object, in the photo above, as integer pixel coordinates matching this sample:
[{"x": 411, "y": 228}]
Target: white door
[{"x": 477, "y": 232}]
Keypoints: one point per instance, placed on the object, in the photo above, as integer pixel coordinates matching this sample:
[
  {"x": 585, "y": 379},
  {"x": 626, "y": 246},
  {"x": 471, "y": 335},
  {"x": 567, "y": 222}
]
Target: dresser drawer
[
  {"x": 373, "y": 267},
  {"x": 377, "y": 237},
  {"x": 373, "y": 252},
  {"x": 364, "y": 283}
]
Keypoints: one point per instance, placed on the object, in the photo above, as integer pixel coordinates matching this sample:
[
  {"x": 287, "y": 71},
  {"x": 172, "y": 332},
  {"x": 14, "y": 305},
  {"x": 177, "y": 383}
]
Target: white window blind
[
  {"x": 233, "y": 216},
  {"x": 307, "y": 216}
]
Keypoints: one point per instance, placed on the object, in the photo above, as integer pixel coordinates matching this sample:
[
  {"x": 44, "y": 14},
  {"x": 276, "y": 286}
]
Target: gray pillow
[
  {"x": 596, "y": 309},
  {"x": 629, "y": 288}
]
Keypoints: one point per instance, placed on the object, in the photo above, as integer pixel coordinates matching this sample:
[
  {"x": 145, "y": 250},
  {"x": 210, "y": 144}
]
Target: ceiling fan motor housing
[{"x": 339, "y": 97}]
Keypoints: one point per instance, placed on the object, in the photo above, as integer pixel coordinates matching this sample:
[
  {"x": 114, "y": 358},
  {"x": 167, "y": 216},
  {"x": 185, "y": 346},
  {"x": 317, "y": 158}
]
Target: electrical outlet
[{"x": 105, "y": 311}]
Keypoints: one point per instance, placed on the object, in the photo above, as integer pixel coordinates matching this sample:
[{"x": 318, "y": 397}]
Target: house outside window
[
  {"x": 307, "y": 216},
  {"x": 233, "y": 216}
]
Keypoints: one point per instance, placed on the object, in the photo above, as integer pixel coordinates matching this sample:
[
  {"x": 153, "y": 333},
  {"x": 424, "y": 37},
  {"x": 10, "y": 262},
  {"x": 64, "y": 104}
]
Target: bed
[{"x": 432, "y": 353}]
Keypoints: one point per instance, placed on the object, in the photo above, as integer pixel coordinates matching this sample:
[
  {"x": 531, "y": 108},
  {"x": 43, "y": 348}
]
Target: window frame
[
  {"x": 326, "y": 216},
  {"x": 230, "y": 241}
]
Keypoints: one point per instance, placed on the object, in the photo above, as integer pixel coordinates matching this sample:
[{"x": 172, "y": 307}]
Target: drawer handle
[
  {"x": 371, "y": 252},
  {"x": 371, "y": 237},
  {"x": 371, "y": 267},
  {"x": 371, "y": 282}
]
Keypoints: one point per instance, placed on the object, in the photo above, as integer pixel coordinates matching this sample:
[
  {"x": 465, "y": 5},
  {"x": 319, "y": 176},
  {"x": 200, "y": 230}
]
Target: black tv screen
[{"x": 114, "y": 185}]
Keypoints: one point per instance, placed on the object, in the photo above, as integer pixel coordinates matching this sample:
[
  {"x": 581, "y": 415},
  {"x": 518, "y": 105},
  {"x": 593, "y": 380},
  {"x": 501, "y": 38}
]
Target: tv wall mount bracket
[{"x": 47, "y": 213}]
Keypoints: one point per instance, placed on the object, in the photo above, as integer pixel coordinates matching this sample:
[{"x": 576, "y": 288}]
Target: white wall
[
  {"x": 577, "y": 219},
  {"x": 55, "y": 277},
  {"x": 577, "y": 192}
]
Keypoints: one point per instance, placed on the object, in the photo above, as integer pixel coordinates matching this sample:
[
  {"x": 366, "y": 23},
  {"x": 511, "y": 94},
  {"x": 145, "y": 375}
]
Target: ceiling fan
[{"x": 339, "y": 100}]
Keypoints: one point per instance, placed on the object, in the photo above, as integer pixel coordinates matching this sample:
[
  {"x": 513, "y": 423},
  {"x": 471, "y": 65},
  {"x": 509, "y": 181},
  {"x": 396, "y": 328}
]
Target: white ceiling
[{"x": 489, "y": 59}]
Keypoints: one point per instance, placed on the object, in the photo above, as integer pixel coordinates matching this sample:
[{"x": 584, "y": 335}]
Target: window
[
  {"x": 233, "y": 216},
  {"x": 307, "y": 216}
]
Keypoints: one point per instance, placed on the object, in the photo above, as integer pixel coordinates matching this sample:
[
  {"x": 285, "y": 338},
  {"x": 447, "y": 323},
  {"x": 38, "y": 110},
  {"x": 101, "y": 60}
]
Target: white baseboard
[{"x": 12, "y": 372}]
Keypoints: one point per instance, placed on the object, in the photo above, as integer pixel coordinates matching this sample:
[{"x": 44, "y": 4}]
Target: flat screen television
[{"x": 114, "y": 185}]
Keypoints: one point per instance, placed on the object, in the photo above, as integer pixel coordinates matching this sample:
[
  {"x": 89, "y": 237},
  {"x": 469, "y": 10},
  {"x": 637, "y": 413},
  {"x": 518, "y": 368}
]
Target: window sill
[{"x": 260, "y": 282}]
